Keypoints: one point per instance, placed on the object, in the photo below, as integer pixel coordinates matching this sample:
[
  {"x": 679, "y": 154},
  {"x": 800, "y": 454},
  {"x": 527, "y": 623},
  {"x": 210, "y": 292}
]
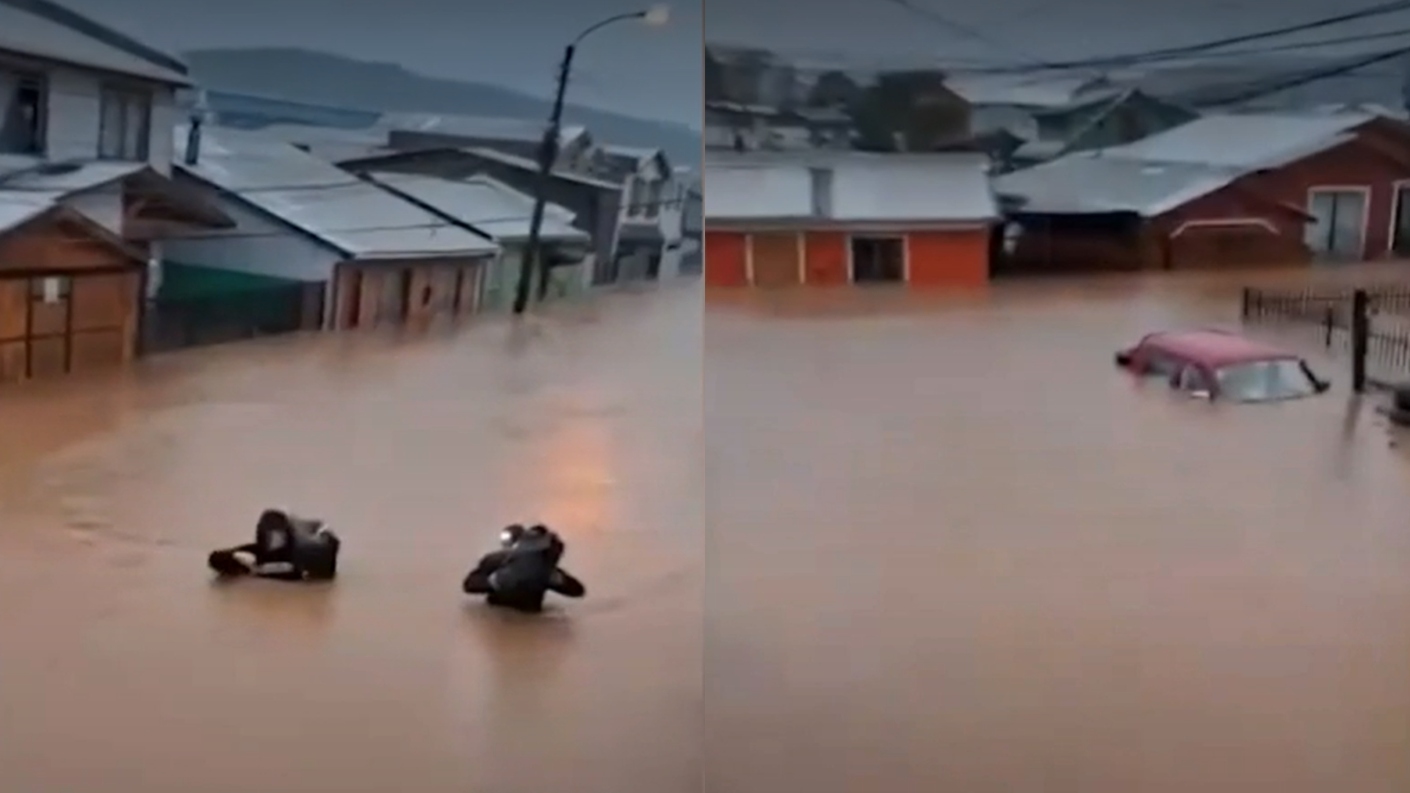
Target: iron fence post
[
  {"x": 1245, "y": 302},
  {"x": 1360, "y": 338}
]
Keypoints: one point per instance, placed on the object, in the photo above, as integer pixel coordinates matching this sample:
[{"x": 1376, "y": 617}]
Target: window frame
[
  {"x": 125, "y": 94},
  {"x": 38, "y": 80},
  {"x": 39, "y": 292}
]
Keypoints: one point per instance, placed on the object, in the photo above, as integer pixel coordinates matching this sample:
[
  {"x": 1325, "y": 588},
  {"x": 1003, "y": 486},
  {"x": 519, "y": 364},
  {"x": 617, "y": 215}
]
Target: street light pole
[{"x": 548, "y": 151}]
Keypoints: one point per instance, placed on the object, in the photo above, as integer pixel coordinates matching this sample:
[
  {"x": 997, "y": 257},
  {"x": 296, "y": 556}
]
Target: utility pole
[{"x": 548, "y": 155}]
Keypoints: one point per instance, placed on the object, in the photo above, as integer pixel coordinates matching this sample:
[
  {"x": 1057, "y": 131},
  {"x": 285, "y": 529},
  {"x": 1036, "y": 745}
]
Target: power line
[
  {"x": 1136, "y": 58},
  {"x": 1265, "y": 89}
]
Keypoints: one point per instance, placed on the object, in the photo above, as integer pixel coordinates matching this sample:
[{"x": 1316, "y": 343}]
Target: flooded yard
[
  {"x": 125, "y": 670},
  {"x": 953, "y": 549}
]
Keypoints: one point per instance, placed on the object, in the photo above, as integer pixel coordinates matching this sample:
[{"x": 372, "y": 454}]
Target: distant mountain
[{"x": 318, "y": 77}]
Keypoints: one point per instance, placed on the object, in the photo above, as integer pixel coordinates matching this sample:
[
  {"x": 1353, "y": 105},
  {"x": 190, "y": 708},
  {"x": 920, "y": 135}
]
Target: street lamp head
[{"x": 657, "y": 15}]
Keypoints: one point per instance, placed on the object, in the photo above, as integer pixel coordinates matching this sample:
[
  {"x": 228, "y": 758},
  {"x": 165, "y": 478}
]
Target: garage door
[
  {"x": 52, "y": 325},
  {"x": 776, "y": 259}
]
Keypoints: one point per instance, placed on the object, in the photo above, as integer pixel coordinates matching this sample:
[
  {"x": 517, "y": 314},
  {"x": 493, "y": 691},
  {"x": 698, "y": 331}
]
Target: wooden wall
[
  {"x": 92, "y": 324},
  {"x": 411, "y": 293}
]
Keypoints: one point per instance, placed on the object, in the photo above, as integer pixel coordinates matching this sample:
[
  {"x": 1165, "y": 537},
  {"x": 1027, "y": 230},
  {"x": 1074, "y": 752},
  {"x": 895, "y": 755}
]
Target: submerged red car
[{"x": 1216, "y": 364}]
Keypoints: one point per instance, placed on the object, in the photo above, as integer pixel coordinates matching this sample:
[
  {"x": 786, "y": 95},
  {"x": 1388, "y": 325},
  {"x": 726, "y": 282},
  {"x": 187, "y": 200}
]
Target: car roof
[{"x": 1215, "y": 348}]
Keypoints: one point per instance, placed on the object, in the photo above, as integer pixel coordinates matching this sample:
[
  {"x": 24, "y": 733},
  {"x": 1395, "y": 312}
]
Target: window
[
  {"x": 53, "y": 289},
  {"x": 878, "y": 260},
  {"x": 1266, "y": 381},
  {"x": 635, "y": 197},
  {"x": 125, "y": 125},
  {"x": 654, "y": 197},
  {"x": 1193, "y": 382},
  {"x": 22, "y": 105}
]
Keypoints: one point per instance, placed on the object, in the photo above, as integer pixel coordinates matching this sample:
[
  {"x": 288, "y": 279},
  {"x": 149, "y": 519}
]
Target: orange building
[{"x": 834, "y": 218}]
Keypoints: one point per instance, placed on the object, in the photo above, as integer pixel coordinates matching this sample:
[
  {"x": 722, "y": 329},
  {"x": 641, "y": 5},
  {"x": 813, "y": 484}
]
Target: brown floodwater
[
  {"x": 126, "y": 671},
  {"x": 952, "y": 549},
  {"x": 942, "y": 546}
]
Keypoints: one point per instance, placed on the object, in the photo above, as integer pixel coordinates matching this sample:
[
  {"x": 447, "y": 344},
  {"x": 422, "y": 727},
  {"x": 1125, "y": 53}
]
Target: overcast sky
[
  {"x": 516, "y": 43},
  {"x": 657, "y": 73},
  {"x": 879, "y": 31}
]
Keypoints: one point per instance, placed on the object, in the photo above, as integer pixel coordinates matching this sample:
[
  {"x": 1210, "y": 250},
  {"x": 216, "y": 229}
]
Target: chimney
[{"x": 821, "y": 179}]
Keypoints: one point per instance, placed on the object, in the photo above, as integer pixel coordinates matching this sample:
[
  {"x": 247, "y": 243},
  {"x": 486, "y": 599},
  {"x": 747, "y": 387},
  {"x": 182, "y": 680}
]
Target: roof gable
[{"x": 48, "y": 30}]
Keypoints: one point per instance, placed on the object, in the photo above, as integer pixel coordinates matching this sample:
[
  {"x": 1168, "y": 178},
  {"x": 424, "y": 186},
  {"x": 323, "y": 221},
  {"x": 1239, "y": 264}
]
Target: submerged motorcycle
[
  {"x": 521, "y": 573},
  {"x": 286, "y": 547}
]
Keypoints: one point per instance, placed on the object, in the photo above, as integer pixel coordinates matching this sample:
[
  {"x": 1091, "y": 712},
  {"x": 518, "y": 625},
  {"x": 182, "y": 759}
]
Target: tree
[
  {"x": 833, "y": 89},
  {"x": 909, "y": 111}
]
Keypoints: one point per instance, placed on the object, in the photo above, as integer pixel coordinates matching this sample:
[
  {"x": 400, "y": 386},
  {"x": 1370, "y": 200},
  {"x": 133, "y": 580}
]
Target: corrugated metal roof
[
  {"x": 1091, "y": 183},
  {"x": 312, "y": 133},
  {"x": 763, "y": 191},
  {"x": 58, "y": 181},
  {"x": 486, "y": 127},
  {"x": 851, "y": 187},
  {"x": 17, "y": 208},
  {"x": 526, "y": 164},
  {"x": 489, "y": 205},
  {"x": 1029, "y": 92},
  {"x": 1239, "y": 140},
  {"x": 350, "y": 214},
  {"x": 31, "y": 34}
]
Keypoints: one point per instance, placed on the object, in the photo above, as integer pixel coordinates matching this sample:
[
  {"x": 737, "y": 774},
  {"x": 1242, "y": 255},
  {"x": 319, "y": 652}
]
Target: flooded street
[
  {"x": 953, "y": 549},
  {"x": 126, "y": 670},
  {"x": 942, "y": 546}
]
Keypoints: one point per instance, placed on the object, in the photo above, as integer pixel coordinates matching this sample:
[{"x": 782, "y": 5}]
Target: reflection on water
[
  {"x": 125, "y": 669},
  {"x": 953, "y": 549}
]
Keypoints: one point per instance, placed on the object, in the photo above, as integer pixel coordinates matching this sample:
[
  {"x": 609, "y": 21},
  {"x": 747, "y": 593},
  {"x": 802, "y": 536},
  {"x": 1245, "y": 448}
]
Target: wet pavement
[
  {"x": 125, "y": 670},
  {"x": 952, "y": 549}
]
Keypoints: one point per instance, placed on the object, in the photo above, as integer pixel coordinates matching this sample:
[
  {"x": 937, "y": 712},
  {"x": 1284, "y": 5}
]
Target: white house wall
[
  {"x": 257, "y": 245},
  {"x": 165, "y": 117},
  {"x": 75, "y": 104}
]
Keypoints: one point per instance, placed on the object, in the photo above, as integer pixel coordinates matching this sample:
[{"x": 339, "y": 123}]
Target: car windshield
[{"x": 1265, "y": 381}]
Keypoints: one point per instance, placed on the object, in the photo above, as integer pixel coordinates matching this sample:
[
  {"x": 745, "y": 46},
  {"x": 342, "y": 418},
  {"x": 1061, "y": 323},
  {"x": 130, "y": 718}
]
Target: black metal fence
[
  {"x": 1370, "y": 325},
  {"x": 173, "y": 323}
]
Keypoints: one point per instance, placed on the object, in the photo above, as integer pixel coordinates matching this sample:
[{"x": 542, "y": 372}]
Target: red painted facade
[
  {"x": 1258, "y": 220},
  {"x": 1376, "y": 159},
  {"x": 937, "y": 259}
]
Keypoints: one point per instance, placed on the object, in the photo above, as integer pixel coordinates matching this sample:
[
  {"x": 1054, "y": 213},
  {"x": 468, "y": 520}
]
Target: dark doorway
[
  {"x": 878, "y": 260},
  {"x": 1400, "y": 241},
  {"x": 352, "y": 300}
]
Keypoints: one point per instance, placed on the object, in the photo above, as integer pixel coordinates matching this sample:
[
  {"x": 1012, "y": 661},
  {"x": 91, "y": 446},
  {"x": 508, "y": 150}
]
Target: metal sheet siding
[
  {"x": 75, "y": 112},
  {"x": 165, "y": 116},
  {"x": 103, "y": 205},
  {"x": 72, "y": 130},
  {"x": 257, "y": 245}
]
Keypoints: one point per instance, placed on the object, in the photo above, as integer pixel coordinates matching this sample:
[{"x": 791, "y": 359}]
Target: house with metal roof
[
  {"x": 85, "y": 131},
  {"x": 596, "y": 203},
  {"x": 497, "y": 211},
  {"x": 1221, "y": 191},
  {"x": 379, "y": 258},
  {"x": 835, "y": 218}
]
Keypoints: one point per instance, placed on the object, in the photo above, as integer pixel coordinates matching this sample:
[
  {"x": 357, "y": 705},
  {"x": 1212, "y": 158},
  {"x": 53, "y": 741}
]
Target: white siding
[
  {"x": 257, "y": 245},
  {"x": 75, "y": 111},
  {"x": 165, "y": 116},
  {"x": 102, "y": 205},
  {"x": 72, "y": 130}
]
